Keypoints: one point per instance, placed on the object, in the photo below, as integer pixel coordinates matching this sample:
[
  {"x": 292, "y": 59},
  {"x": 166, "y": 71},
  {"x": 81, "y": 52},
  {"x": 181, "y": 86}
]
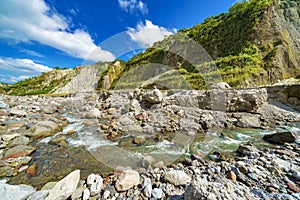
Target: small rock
[
  {"x": 247, "y": 149},
  {"x": 17, "y": 112},
  {"x": 157, "y": 193},
  {"x": 31, "y": 171},
  {"x": 135, "y": 106},
  {"x": 231, "y": 175},
  {"x": 139, "y": 140},
  {"x": 296, "y": 175},
  {"x": 106, "y": 194},
  {"x": 86, "y": 194},
  {"x": 147, "y": 190},
  {"x": 111, "y": 111},
  {"x": 293, "y": 187},
  {"x": 154, "y": 96},
  {"x": 148, "y": 161},
  {"x": 177, "y": 177},
  {"x": 127, "y": 179}
]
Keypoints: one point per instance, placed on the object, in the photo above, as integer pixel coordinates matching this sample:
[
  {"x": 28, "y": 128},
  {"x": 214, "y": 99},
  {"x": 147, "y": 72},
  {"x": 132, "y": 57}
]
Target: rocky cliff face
[
  {"x": 86, "y": 80},
  {"x": 278, "y": 37}
]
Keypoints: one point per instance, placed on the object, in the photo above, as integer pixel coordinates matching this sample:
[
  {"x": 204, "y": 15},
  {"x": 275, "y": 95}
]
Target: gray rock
[
  {"x": 154, "y": 96},
  {"x": 177, "y": 177},
  {"x": 18, "y": 141},
  {"x": 65, "y": 187},
  {"x": 247, "y": 149},
  {"x": 135, "y": 106},
  {"x": 148, "y": 161},
  {"x": 3, "y": 105},
  {"x": 147, "y": 191},
  {"x": 39, "y": 195},
  {"x": 25, "y": 149},
  {"x": 15, "y": 192},
  {"x": 281, "y": 137},
  {"x": 157, "y": 193},
  {"x": 17, "y": 112},
  {"x": 249, "y": 121},
  {"x": 44, "y": 129},
  {"x": 221, "y": 86}
]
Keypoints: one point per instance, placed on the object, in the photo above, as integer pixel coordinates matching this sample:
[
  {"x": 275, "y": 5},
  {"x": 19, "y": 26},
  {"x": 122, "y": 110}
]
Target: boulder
[
  {"x": 65, "y": 187},
  {"x": 15, "y": 192},
  {"x": 177, "y": 177},
  {"x": 249, "y": 121},
  {"x": 281, "y": 137},
  {"x": 18, "y": 150},
  {"x": 127, "y": 179},
  {"x": 44, "y": 129},
  {"x": 154, "y": 96},
  {"x": 17, "y": 112},
  {"x": 247, "y": 149}
]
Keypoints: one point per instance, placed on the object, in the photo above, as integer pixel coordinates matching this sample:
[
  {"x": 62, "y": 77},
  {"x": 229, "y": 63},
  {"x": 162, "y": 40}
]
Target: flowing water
[{"x": 89, "y": 151}]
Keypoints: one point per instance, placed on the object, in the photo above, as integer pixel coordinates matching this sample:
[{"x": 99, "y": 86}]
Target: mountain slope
[{"x": 256, "y": 42}]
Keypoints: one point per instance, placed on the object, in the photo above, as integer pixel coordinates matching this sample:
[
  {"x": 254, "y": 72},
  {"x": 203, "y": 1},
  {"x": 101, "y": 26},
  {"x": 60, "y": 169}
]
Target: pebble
[{"x": 157, "y": 193}]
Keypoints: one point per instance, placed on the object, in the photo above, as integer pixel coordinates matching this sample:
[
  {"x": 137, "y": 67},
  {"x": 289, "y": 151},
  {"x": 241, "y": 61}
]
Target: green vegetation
[
  {"x": 230, "y": 40},
  {"x": 238, "y": 44},
  {"x": 43, "y": 84}
]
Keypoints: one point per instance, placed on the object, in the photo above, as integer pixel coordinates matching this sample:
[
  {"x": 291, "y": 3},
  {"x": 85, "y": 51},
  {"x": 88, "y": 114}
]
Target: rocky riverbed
[{"x": 140, "y": 144}]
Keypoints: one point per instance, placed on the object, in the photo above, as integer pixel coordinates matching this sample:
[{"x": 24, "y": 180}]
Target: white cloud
[
  {"x": 18, "y": 69},
  {"x": 148, "y": 33},
  {"x": 33, "y": 20},
  {"x": 133, "y": 5},
  {"x": 31, "y": 53}
]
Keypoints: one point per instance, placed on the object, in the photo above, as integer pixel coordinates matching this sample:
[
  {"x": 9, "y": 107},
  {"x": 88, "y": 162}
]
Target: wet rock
[
  {"x": 139, "y": 140},
  {"x": 9, "y": 137},
  {"x": 44, "y": 129},
  {"x": 31, "y": 171},
  {"x": 249, "y": 121},
  {"x": 281, "y": 137},
  {"x": 19, "y": 141},
  {"x": 127, "y": 179},
  {"x": 6, "y": 171},
  {"x": 153, "y": 96},
  {"x": 15, "y": 192},
  {"x": 247, "y": 149},
  {"x": 65, "y": 187},
  {"x": 148, "y": 161},
  {"x": 60, "y": 141},
  {"x": 23, "y": 150},
  {"x": 177, "y": 177}
]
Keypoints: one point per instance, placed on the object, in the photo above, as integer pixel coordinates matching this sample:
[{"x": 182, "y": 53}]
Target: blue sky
[{"x": 38, "y": 35}]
